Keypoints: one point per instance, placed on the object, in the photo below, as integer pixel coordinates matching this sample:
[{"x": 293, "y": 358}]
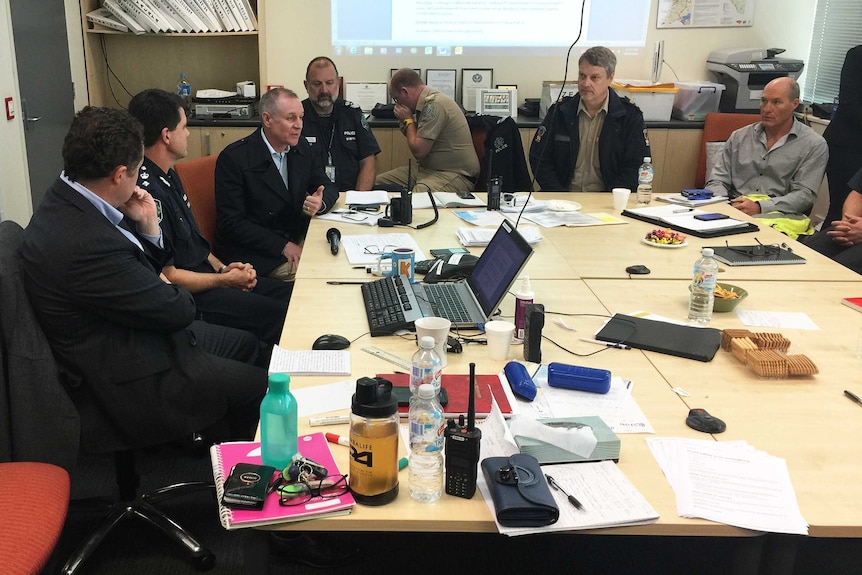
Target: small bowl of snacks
[
  {"x": 664, "y": 238},
  {"x": 727, "y": 297}
]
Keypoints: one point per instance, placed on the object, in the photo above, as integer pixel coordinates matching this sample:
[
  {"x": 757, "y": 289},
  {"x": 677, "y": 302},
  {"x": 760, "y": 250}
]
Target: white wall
[{"x": 291, "y": 37}]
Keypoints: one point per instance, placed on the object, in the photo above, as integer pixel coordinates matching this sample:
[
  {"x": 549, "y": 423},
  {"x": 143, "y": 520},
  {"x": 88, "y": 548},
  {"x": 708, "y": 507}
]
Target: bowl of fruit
[{"x": 664, "y": 238}]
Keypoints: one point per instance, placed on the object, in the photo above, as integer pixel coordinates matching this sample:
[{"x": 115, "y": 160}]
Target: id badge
[{"x": 330, "y": 172}]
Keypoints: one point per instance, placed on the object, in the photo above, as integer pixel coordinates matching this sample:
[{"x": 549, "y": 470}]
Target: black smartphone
[
  {"x": 403, "y": 396},
  {"x": 443, "y": 252},
  {"x": 711, "y": 217}
]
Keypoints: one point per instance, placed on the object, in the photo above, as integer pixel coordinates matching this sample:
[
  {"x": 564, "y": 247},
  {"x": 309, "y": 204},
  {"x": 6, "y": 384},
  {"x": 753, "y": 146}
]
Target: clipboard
[
  {"x": 686, "y": 341},
  {"x": 717, "y": 232}
]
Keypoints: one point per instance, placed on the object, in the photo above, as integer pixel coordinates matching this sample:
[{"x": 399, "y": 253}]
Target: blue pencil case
[{"x": 580, "y": 378}]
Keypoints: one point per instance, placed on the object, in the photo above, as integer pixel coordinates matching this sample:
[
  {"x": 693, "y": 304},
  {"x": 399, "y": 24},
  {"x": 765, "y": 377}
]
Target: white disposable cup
[
  {"x": 499, "y": 336},
  {"x": 438, "y": 328},
  {"x": 621, "y": 198}
]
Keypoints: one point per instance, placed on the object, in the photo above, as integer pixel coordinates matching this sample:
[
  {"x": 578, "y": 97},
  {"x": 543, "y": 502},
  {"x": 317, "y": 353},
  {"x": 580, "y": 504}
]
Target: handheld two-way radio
[{"x": 462, "y": 448}]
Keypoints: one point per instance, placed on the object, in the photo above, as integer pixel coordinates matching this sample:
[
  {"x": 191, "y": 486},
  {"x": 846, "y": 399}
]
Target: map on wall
[{"x": 704, "y": 13}]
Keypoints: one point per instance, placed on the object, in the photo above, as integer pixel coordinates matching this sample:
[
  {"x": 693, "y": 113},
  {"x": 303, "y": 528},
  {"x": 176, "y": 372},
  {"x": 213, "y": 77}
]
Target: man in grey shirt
[{"x": 775, "y": 165}]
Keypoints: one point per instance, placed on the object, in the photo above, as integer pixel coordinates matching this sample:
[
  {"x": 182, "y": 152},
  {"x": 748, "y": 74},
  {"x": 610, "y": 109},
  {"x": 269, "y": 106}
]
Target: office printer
[{"x": 745, "y": 72}]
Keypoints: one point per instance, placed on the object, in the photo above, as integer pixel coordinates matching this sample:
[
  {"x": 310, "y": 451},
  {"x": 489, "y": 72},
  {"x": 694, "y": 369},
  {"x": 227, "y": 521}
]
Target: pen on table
[
  {"x": 553, "y": 483},
  {"x": 853, "y": 396},
  {"x": 683, "y": 210},
  {"x": 328, "y": 420},
  {"x": 339, "y": 439},
  {"x": 607, "y": 343},
  {"x": 335, "y": 283}
]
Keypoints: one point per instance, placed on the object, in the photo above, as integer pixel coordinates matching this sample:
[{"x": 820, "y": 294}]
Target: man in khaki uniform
[{"x": 437, "y": 134}]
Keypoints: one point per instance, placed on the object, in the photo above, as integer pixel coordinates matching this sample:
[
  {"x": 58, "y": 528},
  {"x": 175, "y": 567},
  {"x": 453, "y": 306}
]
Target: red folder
[{"x": 458, "y": 389}]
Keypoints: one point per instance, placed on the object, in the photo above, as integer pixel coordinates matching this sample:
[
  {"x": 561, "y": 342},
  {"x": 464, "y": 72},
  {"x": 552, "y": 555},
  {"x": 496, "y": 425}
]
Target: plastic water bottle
[
  {"x": 426, "y": 445},
  {"x": 703, "y": 287},
  {"x": 645, "y": 177},
  {"x": 184, "y": 89},
  {"x": 427, "y": 366},
  {"x": 278, "y": 432}
]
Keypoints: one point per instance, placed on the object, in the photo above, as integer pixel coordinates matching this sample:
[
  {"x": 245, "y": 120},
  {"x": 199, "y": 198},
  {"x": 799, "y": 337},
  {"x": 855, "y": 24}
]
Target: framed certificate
[
  {"x": 472, "y": 79},
  {"x": 366, "y": 96},
  {"x": 443, "y": 80}
]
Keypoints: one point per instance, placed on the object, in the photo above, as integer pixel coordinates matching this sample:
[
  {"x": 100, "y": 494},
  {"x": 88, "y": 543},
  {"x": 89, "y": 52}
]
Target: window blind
[{"x": 837, "y": 28}]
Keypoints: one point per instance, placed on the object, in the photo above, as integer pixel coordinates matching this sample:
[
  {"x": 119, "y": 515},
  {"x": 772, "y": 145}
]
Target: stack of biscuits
[{"x": 766, "y": 354}]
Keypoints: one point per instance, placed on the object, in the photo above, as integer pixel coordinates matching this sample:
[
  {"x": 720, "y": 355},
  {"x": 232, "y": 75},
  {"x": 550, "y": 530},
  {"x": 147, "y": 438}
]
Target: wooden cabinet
[
  {"x": 214, "y": 139},
  {"x": 674, "y": 154},
  {"x": 674, "y": 158},
  {"x": 120, "y": 64}
]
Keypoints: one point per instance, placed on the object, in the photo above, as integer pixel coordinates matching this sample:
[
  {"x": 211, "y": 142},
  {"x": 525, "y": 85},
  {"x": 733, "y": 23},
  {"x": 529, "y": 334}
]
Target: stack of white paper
[
  {"x": 309, "y": 362},
  {"x": 482, "y": 236},
  {"x": 730, "y": 483}
]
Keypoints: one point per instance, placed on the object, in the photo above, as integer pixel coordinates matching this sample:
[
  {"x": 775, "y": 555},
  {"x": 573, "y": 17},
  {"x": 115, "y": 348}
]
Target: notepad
[
  {"x": 309, "y": 362},
  {"x": 683, "y": 220},
  {"x": 755, "y": 255}
]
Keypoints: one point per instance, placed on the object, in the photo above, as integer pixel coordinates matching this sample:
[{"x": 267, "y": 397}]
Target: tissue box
[
  {"x": 654, "y": 100},
  {"x": 696, "y": 99},
  {"x": 607, "y": 446},
  {"x": 246, "y": 89}
]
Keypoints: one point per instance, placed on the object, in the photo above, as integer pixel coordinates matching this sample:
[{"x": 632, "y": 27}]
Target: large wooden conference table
[{"x": 581, "y": 270}]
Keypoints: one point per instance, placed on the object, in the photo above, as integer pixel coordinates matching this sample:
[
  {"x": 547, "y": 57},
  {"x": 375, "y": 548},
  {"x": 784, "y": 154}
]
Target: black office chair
[{"x": 51, "y": 422}]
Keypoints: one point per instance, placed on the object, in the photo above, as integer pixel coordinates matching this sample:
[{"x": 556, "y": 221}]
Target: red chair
[
  {"x": 718, "y": 127},
  {"x": 34, "y": 498},
  {"x": 198, "y": 177}
]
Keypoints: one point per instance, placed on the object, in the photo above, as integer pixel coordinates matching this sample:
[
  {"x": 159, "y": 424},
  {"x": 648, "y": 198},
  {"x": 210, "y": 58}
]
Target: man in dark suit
[
  {"x": 123, "y": 336},
  {"x": 226, "y": 293},
  {"x": 268, "y": 186}
]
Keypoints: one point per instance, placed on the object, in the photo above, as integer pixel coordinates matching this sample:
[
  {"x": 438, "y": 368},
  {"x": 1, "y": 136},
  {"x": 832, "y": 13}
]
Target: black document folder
[
  {"x": 691, "y": 342},
  {"x": 726, "y": 227}
]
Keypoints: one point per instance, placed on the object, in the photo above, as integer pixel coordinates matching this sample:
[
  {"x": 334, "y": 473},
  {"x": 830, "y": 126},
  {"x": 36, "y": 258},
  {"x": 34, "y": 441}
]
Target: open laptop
[{"x": 468, "y": 303}]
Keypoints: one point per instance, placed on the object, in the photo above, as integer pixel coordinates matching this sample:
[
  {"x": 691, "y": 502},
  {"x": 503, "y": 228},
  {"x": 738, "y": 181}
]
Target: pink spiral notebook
[{"x": 313, "y": 446}]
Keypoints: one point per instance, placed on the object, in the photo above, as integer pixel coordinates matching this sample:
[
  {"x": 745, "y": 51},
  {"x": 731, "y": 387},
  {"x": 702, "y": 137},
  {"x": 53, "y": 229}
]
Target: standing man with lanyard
[{"x": 337, "y": 130}]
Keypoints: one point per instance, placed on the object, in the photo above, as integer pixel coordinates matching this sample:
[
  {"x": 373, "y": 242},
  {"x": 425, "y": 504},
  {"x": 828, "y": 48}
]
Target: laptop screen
[{"x": 498, "y": 267}]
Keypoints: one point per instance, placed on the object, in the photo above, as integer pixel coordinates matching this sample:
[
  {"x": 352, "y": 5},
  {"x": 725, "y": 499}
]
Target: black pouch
[{"x": 521, "y": 495}]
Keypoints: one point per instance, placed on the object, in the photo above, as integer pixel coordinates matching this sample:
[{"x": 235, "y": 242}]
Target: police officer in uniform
[
  {"x": 225, "y": 294},
  {"x": 337, "y": 130}
]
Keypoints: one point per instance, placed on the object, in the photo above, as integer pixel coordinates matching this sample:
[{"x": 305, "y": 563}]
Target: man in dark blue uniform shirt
[
  {"x": 226, "y": 294},
  {"x": 337, "y": 130},
  {"x": 594, "y": 141}
]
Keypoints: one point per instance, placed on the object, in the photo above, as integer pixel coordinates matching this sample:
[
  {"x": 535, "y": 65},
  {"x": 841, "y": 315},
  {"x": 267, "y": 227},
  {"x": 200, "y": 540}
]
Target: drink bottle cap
[
  {"x": 426, "y": 391},
  {"x": 426, "y": 342}
]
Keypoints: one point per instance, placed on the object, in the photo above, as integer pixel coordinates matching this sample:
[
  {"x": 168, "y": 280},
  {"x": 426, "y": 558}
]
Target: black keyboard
[
  {"x": 388, "y": 306},
  {"x": 444, "y": 303}
]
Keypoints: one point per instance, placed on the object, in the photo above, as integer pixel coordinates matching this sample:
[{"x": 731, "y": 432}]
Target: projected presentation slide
[{"x": 451, "y": 27}]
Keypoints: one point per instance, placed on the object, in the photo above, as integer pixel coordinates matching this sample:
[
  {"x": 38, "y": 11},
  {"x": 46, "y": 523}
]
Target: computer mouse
[
  {"x": 331, "y": 341},
  {"x": 637, "y": 269},
  {"x": 701, "y": 420}
]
